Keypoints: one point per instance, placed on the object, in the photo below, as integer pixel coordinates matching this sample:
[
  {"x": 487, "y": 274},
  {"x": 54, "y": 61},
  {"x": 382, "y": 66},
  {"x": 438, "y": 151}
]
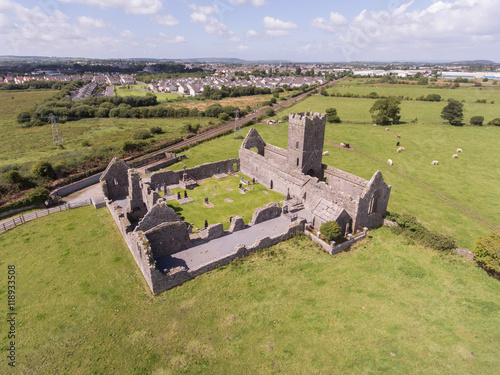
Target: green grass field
[
  {"x": 24, "y": 146},
  {"x": 243, "y": 205},
  {"x": 139, "y": 90},
  {"x": 386, "y": 306}
]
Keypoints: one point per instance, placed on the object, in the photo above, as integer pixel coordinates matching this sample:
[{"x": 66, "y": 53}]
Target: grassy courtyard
[
  {"x": 227, "y": 201},
  {"x": 386, "y": 306}
]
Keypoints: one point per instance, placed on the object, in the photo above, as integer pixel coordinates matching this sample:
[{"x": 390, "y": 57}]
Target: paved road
[{"x": 207, "y": 253}]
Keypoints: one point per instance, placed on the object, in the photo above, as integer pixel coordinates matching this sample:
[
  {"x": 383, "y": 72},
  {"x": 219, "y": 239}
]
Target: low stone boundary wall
[
  {"x": 332, "y": 248},
  {"x": 78, "y": 185},
  {"x": 164, "y": 164}
]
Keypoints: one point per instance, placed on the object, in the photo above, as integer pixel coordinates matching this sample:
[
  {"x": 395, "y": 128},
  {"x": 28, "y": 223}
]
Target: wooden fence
[{"x": 19, "y": 220}]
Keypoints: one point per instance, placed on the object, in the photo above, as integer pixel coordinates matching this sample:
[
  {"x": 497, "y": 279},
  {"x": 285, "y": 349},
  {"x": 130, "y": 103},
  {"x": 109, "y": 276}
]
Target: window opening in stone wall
[
  {"x": 373, "y": 204},
  {"x": 297, "y": 162},
  {"x": 235, "y": 167},
  {"x": 115, "y": 180},
  {"x": 297, "y": 145},
  {"x": 272, "y": 185}
]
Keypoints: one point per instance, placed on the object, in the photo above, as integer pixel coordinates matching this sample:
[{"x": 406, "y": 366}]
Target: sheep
[
  {"x": 455, "y": 156},
  {"x": 325, "y": 153},
  {"x": 386, "y": 129},
  {"x": 434, "y": 162},
  {"x": 342, "y": 144},
  {"x": 345, "y": 145},
  {"x": 398, "y": 143},
  {"x": 389, "y": 162},
  {"x": 398, "y": 136},
  {"x": 459, "y": 150},
  {"x": 401, "y": 149}
]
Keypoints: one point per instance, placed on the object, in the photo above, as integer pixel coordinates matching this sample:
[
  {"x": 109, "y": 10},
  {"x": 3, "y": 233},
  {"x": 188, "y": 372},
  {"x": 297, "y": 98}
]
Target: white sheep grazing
[
  {"x": 435, "y": 162},
  {"x": 389, "y": 162},
  {"x": 459, "y": 150},
  {"x": 325, "y": 153},
  {"x": 386, "y": 129},
  {"x": 401, "y": 149},
  {"x": 455, "y": 156}
]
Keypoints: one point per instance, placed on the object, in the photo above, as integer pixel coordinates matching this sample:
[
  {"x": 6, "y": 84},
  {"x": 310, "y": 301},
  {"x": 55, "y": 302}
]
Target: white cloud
[
  {"x": 235, "y": 39},
  {"x": 128, "y": 6},
  {"x": 92, "y": 22},
  {"x": 127, "y": 34},
  {"x": 332, "y": 25},
  {"x": 243, "y": 48},
  {"x": 251, "y": 34},
  {"x": 275, "y": 27},
  {"x": 167, "y": 20},
  {"x": 204, "y": 15},
  {"x": 255, "y": 3},
  {"x": 172, "y": 39},
  {"x": 444, "y": 24}
]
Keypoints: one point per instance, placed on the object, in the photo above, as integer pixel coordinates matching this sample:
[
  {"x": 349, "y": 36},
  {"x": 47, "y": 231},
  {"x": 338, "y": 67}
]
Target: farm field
[
  {"x": 386, "y": 306},
  {"x": 218, "y": 191}
]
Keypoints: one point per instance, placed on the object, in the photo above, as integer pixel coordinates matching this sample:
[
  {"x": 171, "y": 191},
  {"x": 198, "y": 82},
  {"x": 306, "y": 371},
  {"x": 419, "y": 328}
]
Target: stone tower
[{"x": 306, "y": 135}]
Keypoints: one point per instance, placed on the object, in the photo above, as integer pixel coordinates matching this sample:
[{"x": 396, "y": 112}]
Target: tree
[
  {"x": 453, "y": 112},
  {"x": 42, "y": 168},
  {"x": 477, "y": 120},
  {"x": 487, "y": 252},
  {"x": 323, "y": 92},
  {"x": 331, "y": 115},
  {"x": 330, "y": 230},
  {"x": 386, "y": 111}
]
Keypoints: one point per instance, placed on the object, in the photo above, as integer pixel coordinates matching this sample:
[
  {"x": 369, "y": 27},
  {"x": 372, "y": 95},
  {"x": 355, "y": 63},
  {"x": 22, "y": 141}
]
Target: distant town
[{"x": 190, "y": 79}]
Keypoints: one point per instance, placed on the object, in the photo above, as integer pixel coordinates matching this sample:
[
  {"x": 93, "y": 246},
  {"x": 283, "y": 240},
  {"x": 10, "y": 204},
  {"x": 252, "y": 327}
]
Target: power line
[{"x": 57, "y": 137}]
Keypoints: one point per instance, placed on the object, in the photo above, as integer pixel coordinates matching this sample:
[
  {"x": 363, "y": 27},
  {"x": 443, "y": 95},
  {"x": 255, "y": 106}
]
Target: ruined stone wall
[
  {"x": 136, "y": 208},
  {"x": 168, "y": 238},
  {"x": 213, "y": 231},
  {"x": 164, "y": 281},
  {"x": 278, "y": 177},
  {"x": 199, "y": 172},
  {"x": 381, "y": 191},
  {"x": 343, "y": 181},
  {"x": 159, "y": 213},
  {"x": 275, "y": 154},
  {"x": 269, "y": 211},
  {"x": 314, "y": 190},
  {"x": 114, "y": 180}
]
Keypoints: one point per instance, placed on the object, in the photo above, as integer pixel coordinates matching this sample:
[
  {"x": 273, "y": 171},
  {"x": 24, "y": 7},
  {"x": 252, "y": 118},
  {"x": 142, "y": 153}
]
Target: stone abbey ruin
[{"x": 163, "y": 244}]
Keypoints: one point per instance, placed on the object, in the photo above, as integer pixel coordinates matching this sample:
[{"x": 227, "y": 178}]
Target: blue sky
[{"x": 376, "y": 30}]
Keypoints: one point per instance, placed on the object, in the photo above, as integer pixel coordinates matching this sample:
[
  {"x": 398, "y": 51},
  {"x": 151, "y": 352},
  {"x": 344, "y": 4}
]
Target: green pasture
[
  {"x": 466, "y": 92},
  {"x": 358, "y": 109},
  {"x": 217, "y": 191},
  {"x": 386, "y": 306},
  {"x": 142, "y": 92},
  {"x": 470, "y": 181}
]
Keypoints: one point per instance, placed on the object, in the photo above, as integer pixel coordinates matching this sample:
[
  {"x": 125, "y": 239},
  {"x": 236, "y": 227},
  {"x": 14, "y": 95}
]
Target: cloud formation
[
  {"x": 167, "y": 20},
  {"x": 276, "y": 27},
  {"x": 128, "y": 6},
  {"x": 205, "y": 16}
]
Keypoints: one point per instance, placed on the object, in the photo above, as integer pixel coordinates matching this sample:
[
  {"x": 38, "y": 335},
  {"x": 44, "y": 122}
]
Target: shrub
[
  {"x": 142, "y": 134},
  {"x": 133, "y": 146},
  {"x": 495, "y": 121},
  {"x": 331, "y": 230},
  {"x": 156, "y": 130},
  {"x": 477, "y": 120},
  {"x": 224, "y": 116},
  {"x": 331, "y": 115},
  {"x": 270, "y": 112},
  {"x": 12, "y": 177},
  {"x": 487, "y": 252},
  {"x": 248, "y": 123},
  {"x": 36, "y": 196},
  {"x": 85, "y": 143},
  {"x": 416, "y": 231},
  {"x": 23, "y": 117},
  {"x": 42, "y": 168}
]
